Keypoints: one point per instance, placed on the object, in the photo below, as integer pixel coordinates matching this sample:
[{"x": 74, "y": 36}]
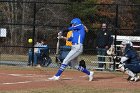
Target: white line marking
[
  {"x": 66, "y": 78},
  {"x": 16, "y": 83},
  {"x": 27, "y": 75},
  {"x": 15, "y": 74},
  {"x": 83, "y": 76}
]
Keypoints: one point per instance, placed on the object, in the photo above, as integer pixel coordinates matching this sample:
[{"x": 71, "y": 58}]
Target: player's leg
[
  {"x": 35, "y": 59},
  {"x": 81, "y": 67},
  {"x": 135, "y": 68},
  {"x": 71, "y": 55},
  {"x": 29, "y": 58},
  {"x": 127, "y": 69},
  {"x": 75, "y": 52},
  {"x": 99, "y": 58}
]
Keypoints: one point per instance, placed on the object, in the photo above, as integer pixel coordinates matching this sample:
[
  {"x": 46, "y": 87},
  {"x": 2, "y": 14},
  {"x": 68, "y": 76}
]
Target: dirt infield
[{"x": 32, "y": 79}]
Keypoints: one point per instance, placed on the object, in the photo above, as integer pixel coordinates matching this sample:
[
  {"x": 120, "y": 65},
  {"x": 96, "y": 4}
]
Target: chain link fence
[{"x": 43, "y": 20}]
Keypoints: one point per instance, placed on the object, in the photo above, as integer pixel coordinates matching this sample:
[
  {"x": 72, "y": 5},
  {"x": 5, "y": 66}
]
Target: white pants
[{"x": 76, "y": 50}]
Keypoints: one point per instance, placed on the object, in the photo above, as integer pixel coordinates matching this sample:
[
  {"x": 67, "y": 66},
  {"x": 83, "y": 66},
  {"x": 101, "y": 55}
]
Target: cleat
[
  {"x": 132, "y": 78},
  {"x": 91, "y": 75},
  {"x": 136, "y": 78},
  {"x": 38, "y": 66},
  {"x": 129, "y": 78},
  {"x": 54, "y": 78}
]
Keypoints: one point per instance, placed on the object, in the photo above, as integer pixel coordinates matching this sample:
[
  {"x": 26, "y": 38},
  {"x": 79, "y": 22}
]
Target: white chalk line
[
  {"x": 28, "y": 75},
  {"x": 23, "y": 82},
  {"x": 16, "y": 83},
  {"x": 24, "y": 75}
]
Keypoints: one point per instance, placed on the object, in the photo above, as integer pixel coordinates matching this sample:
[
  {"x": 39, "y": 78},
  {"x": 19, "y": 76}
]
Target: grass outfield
[
  {"x": 89, "y": 59},
  {"x": 24, "y": 58}
]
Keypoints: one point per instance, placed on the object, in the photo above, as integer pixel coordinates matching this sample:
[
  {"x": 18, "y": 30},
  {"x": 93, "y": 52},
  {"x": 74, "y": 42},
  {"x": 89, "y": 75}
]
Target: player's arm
[
  {"x": 65, "y": 38},
  {"x": 123, "y": 59},
  {"x": 122, "y": 63},
  {"x": 62, "y": 37},
  {"x": 86, "y": 29}
]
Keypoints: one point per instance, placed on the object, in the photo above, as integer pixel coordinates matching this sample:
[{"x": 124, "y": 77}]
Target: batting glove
[
  {"x": 60, "y": 37},
  {"x": 60, "y": 33}
]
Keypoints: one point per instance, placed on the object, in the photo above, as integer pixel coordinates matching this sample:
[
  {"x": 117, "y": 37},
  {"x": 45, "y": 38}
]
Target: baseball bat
[{"x": 57, "y": 47}]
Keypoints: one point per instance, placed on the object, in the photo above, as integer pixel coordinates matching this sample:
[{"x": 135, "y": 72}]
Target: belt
[{"x": 77, "y": 44}]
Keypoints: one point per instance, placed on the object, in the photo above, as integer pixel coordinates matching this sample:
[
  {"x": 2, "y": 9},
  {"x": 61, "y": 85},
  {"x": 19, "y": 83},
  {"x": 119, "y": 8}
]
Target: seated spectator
[
  {"x": 64, "y": 50},
  {"x": 41, "y": 54},
  {"x": 30, "y": 54},
  {"x": 45, "y": 59},
  {"x": 30, "y": 51},
  {"x": 37, "y": 53}
]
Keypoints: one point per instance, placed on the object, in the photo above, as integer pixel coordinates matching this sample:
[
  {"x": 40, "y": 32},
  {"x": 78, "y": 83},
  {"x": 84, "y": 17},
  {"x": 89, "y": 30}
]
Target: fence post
[
  {"x": 0, "y": 54},
  {"x": 116, "y": 30},
  {"x": 33, "y": 35}
]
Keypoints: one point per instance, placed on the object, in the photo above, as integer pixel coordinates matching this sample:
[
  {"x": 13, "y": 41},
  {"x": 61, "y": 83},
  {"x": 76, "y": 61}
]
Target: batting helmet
[
  {"x": 126, "y": 42},
  {"x": 126, "y": 45},
  {"x": 76, "y": 21}
]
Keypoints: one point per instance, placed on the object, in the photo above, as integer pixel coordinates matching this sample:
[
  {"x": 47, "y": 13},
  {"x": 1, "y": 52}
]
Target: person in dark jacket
[{"x": 104, "y": 40}]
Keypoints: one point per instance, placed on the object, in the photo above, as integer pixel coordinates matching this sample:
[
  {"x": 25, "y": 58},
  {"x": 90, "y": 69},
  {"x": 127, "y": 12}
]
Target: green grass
[
  {"x": 89, "y": 59},
  {"x": 8, "y": 57},
  {"x": 75, "y": 89}
]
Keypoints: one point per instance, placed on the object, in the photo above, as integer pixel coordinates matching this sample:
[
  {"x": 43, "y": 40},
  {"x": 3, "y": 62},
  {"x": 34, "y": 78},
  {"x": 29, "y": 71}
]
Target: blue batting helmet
[{"x": 76, "y": 21}]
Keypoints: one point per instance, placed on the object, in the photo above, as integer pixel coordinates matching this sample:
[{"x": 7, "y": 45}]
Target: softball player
[
  {"x": 130, "y": 62},
  {"x": 77, "y": 39}
]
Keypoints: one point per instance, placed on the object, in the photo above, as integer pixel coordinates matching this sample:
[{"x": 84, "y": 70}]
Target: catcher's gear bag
[{"x": 82, "y": 63}]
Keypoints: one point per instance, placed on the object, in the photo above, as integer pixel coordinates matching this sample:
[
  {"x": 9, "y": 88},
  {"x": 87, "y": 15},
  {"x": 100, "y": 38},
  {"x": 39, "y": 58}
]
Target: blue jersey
[
  {"x": 132, "y": 56},
  {"x": 78, "y": 34},
  {"x": 41, "y": 47},
  {"x": 133, "y": 62}
]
